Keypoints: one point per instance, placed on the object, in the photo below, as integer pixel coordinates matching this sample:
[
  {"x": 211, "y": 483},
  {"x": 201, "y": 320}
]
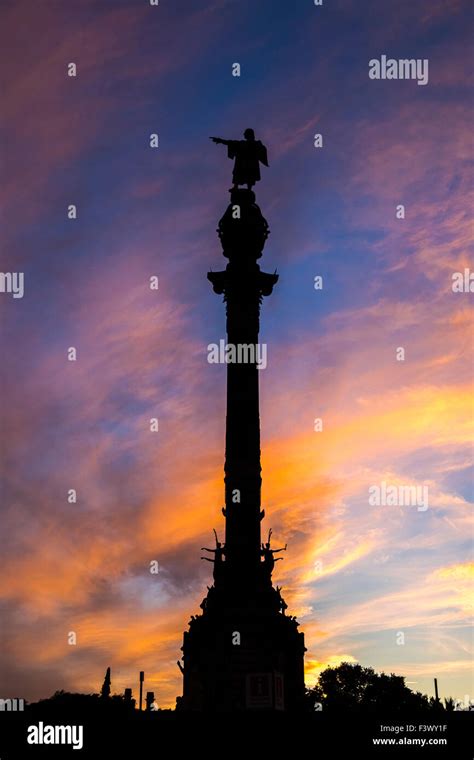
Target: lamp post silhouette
[{"x": 142, "y": 678}]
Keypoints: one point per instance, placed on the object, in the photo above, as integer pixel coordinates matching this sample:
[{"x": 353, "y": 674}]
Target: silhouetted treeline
[{"x": 354, "y": 688}]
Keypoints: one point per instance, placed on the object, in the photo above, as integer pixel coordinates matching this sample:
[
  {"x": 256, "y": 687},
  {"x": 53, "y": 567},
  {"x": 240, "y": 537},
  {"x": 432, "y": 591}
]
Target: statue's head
[{"x": 249, "y": 134}]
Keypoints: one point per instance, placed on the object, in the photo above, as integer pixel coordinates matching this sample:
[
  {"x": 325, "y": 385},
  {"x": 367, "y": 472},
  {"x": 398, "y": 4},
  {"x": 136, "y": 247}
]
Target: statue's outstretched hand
[{"x": 215, "y": 139}]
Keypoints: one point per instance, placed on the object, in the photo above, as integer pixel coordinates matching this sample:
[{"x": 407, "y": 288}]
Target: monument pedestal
[{"x": 243, "y": 656}]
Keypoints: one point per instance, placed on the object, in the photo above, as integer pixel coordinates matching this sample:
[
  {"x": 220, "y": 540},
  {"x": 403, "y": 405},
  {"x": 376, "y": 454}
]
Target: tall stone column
[
  {"x": 243, "y": 652},
  {"x": 243, "y": 231}
]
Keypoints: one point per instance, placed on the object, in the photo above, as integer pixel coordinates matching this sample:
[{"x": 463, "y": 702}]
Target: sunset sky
[{"x": 355, "y": 575}]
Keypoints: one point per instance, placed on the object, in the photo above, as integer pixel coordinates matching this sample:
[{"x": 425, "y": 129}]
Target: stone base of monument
[{"x": 243, "y": 657}]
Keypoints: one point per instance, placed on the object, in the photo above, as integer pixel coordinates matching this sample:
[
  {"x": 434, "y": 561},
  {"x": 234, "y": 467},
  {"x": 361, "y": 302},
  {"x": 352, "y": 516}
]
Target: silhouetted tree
[
  {"x": 63, "y": 703},
  {"x": 105, "y": 691},
  {"x": 355, "y": 688}
]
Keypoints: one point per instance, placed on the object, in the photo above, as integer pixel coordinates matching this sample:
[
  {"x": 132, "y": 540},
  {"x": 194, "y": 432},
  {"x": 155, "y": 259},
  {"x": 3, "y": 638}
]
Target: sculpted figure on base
[{"x": 248, "y": 155}]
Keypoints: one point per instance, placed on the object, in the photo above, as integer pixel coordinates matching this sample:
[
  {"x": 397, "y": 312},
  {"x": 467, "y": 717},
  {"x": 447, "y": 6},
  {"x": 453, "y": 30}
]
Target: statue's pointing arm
[{"x": 232, "y": 146}]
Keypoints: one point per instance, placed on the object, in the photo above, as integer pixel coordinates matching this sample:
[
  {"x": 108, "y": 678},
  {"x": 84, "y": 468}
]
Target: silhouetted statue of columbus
[{"x": 248, "y": 154}]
